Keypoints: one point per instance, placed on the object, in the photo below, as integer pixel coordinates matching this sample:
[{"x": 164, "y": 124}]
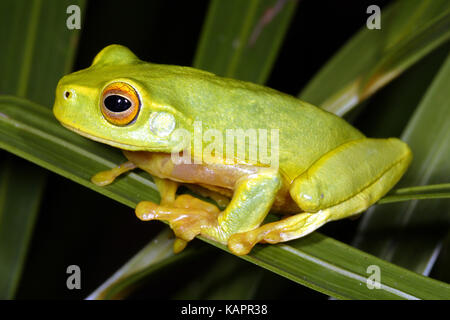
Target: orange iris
[{"x": 119, "y": 103}]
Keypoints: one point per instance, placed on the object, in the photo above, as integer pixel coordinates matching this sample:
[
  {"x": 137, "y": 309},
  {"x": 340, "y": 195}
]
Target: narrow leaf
[
  {"x": 413, "y": 225},
  {"x": 436, "y": 191},
  {"x": 316, "y": 261},
  {"x": 241, "y": 39},
  {"x": 410, "y": 29},
  {"x": 229, "y": 278},
  {"x": 19, "y": 203},
  {"x": 154, "y": 256},
  {"x": 31, "y": 65}
]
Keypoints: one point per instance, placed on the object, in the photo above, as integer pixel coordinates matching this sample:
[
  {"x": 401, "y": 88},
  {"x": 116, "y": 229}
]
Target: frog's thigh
[
  {"x": 252, "y": 199},
  {"x": 349, "y": 170},
  {"x": 344, "y": 182}
]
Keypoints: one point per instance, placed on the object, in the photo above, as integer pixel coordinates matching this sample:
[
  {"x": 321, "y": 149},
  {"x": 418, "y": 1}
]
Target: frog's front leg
[
  {"x": 106, "y": 177},
  {"x": 252, "y": 199},
  {"x": 166, "y": 187},
  {"x": 344, "y": 182},
  {"x": 167, "y": 190}
]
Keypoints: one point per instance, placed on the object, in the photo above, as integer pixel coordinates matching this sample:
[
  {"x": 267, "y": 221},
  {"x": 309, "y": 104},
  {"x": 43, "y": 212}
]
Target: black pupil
[{"x": 116, "y": 103}]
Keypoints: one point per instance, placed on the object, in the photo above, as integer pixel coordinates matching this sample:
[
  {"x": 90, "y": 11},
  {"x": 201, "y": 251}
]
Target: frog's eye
[{"x": 120, "y": 103}]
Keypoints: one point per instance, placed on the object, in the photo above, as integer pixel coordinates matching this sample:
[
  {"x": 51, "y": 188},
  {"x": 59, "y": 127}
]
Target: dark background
[{"x": 78, "y": 226}]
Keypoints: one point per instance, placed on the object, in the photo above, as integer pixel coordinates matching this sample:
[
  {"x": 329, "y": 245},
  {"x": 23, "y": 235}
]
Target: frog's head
[{"x": 113, "y": 101}]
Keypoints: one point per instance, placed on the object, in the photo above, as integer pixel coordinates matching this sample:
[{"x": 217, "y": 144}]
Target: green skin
[{"x": 327, "y": 169}]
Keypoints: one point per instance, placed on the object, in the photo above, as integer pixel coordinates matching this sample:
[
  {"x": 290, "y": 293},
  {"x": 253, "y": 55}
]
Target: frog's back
[{"x": 305, "y": 131}]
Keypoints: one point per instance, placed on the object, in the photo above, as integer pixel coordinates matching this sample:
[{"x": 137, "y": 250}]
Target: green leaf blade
[
  {"x": 316, "y": 261},
  {"x": 417, "y": 224},
  {"x": 241, "y": 39},
  {"x": 31, "y": 66},
  {"x": 372, "y": 58},
  {"x": 15, "y": 233},
  {"x": 156, "y": 255}
]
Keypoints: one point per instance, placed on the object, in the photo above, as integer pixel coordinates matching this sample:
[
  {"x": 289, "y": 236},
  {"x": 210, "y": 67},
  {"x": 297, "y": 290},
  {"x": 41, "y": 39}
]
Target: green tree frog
[{"x": 324, "y": 169}]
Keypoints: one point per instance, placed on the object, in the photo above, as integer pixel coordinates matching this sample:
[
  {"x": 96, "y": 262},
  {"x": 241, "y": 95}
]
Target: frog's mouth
[{"x": 103, "y": 140}]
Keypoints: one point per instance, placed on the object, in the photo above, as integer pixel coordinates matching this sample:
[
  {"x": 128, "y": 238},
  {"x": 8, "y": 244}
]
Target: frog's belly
[{"x": 218, "y": 178}]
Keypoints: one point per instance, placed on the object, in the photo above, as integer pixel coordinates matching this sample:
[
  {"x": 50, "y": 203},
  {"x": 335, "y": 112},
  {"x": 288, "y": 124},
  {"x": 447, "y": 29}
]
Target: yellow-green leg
[
  {"x": 311, "y": 190},
  {"x": 167, "y": 190},
  {"x": 189, "y": 216},
  {"x": 104, "y": 178}
]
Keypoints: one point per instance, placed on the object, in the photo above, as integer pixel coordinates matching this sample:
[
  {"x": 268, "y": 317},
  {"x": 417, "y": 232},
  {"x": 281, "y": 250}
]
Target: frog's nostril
[{"x": 67, "y": 94}]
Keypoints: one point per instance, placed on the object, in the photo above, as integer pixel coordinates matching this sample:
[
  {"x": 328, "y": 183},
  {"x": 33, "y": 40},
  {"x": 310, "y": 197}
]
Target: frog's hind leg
[
  {"x": 188, "y": 216},
  {"x": 343, "y": 183}
]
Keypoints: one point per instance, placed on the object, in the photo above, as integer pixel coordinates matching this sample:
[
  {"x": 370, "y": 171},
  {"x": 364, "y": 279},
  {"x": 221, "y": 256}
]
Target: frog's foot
[
  {"x": 187, "y": 216},
  {"x": 293, "y": 227}
]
